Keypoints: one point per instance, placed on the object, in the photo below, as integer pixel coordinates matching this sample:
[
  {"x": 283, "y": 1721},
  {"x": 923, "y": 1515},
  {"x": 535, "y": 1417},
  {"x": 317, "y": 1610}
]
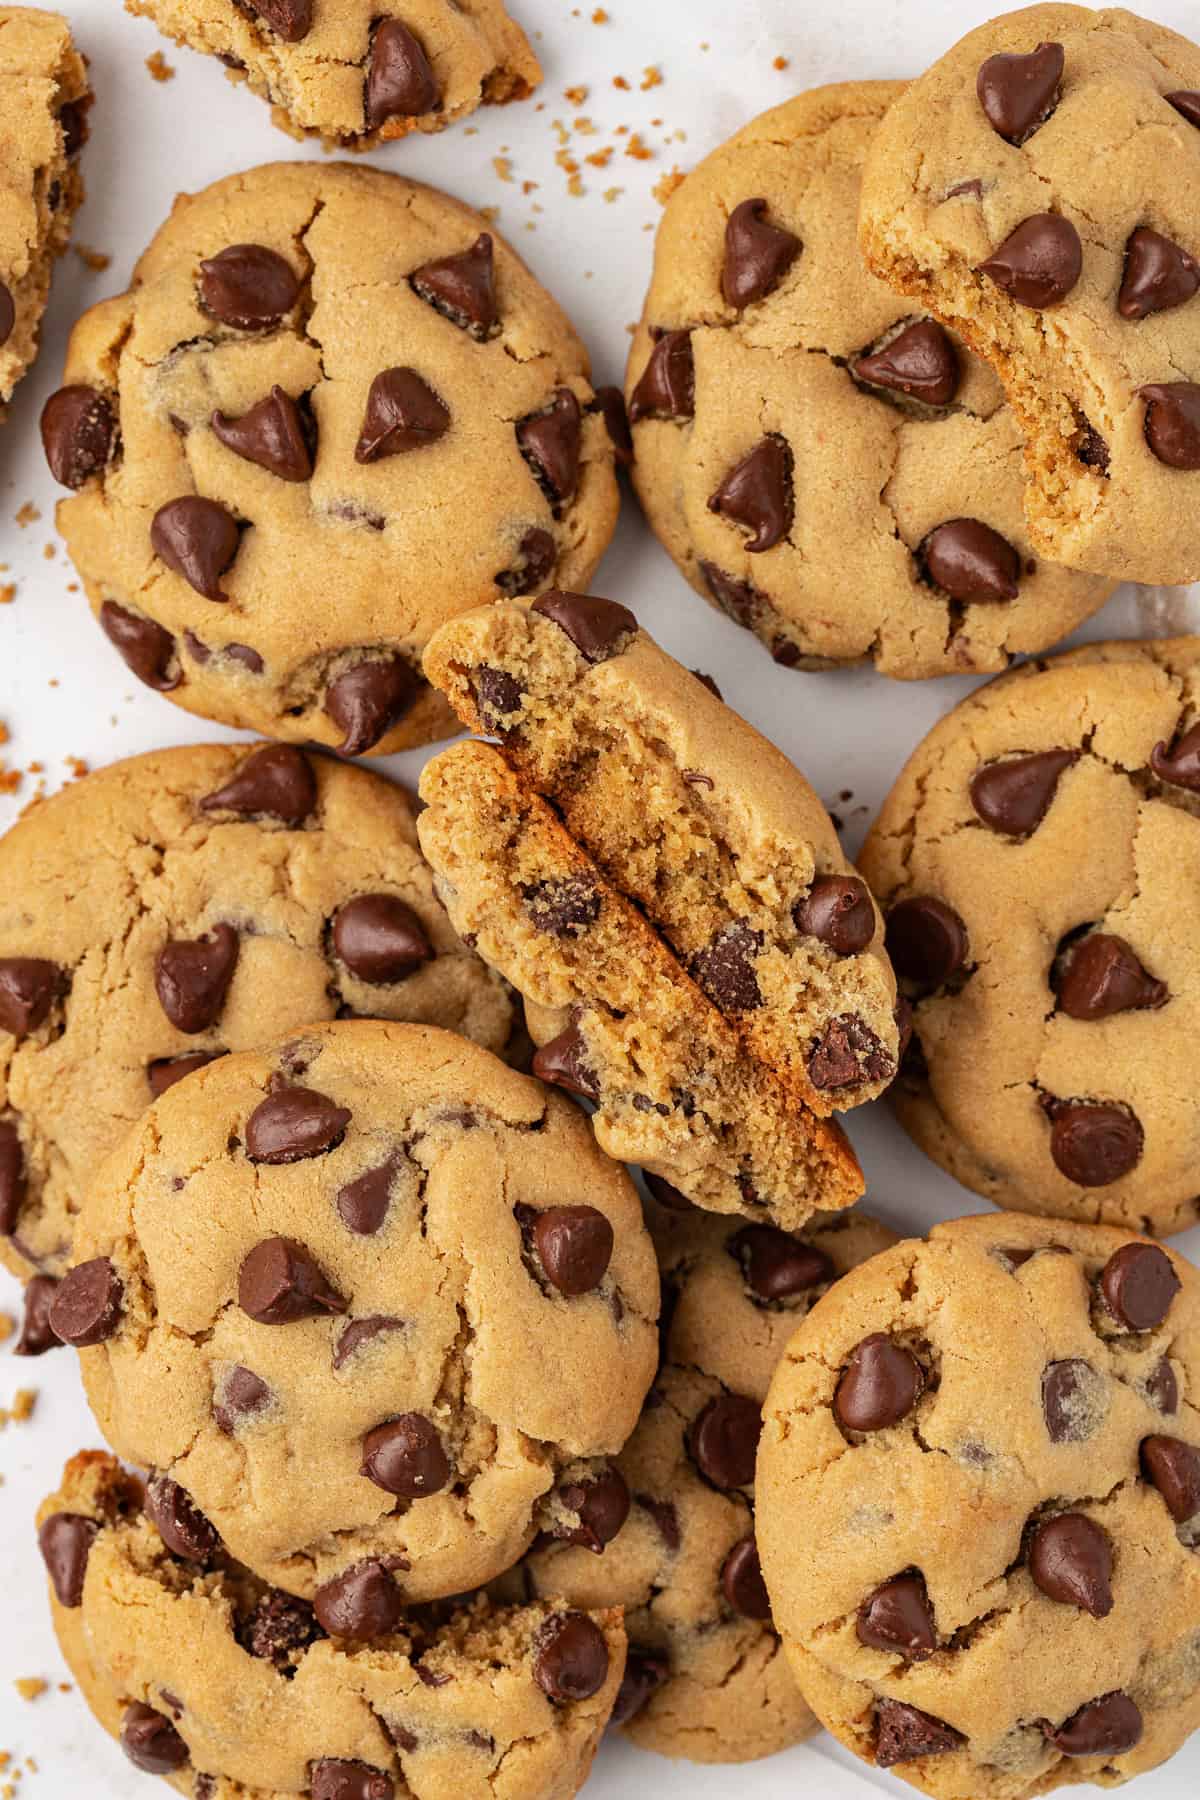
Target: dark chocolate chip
[
  {"x": 279, "y": 1627},
  {"x": 667, "y": 388},
  {"x": 192, "y": 977},
  {"x": 87, "y": 1307},
  {"x": 537, "y": 554},
  {"x": 549, "y": 441},
  {"x": 405, "y": 1456},
  {"x": 563, "y": 905},
  {"x": 198, "y": 540},
  {"x": 601, "y": 1504},
  {"x": 360, "y": 1332},
  {"x": 563, "y": 1063},
  {"x": 1102, "y": 976},
  {"x": 1069, "y": 1400},
  {"x": 363, "y": 1203},
  {"x": 1173, "y": 1467},
  {"x": 144, "y": 647},
  {"x": 380, "y": 939},
  {"x": 37, "y": 1333},
  {"x": 8, "y": 313},
  {"x": 167, "y": 1070},
  {"x": 65, "y": 1541},
  {"x": 1092, "y": 1143},
  {"x": 725, "y": 970},
  {"x": 462, "y": 287},
  {"x": 597, "y": 628},
  {"x": 1018, "y": 93},
  {"x": 271, "y": 434},
  {"x": 1179, "y": 763},
  {"x": 742, "y": 1581},
  {"x": 905, "y": 1733},
  {"x": 1070, "y": 1559},
  {"x": 181, "y": 1525},
  {"x": 403, "y": 413},
  {"x": 280, "y": 1281},
  {"x": 575, "y": 1246},
  {"x": 334, "y": 1778},
  {"x": 1138, "y": 1284},
  {"x": 1159, "y": 275},
  {"x": 499, "y": 697},
  {"x": 248, "y": 286},
  {"x": 289, "y": 19},
  {"x": 972, "y": 563},
  {"x": 78, "y": 432},
  {"x": 1162, "y": 1388},
  {"x": 837, "y": 911},
  {"x": 644, "y": 1674},
  {"x": 926, "y": 940},
  {"x": 1187, "y": 104},
  {"x": 920, "y": 361},
  {"x": 368, "y": 699},
  {"x": 1013, "y": 794},
  {"x": 293, "y": 1123},
  {"x": 572, "y": 1657},
  {"x": 846, "y": 1053},
  {"x": 28, "y": 986},
  {"x": 12, "y": 1176},
  {"x": 1039, "y": 263},
  {"x": 400, "y": 81},
  {"x": 275, "y": 782},
  {"x": 757, "y": 254},
  {"x": 879, "y": 1386},
  {"x": 362, "y": 1603},
  {"x": 242, "y": 1394},
  {"x": 776, "y": 1265},
  {"x": 724, "y": 1440},
  {"x": 757, "y": 493},
  {"x": 1090, "y": 448},
  {"x": 1107, "y": 1727},
  {"x": 1173, "y": 422},
  {"x": 616, "y": 423},
  {"x": 898, "y": 1619},
  {"x": 151, "y": 1742},
  {"x": 739, "y": 600}
]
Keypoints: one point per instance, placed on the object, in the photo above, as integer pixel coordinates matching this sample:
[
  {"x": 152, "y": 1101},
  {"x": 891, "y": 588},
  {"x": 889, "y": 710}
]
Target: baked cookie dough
[
  {"x": 705, "y": 1677},
  {"x": 1036, "y": 860},
  {"x": 360, "y": 1299},
  {"x": 233, "y": 1691},
  {"x": 979, "y": 1505},
  {"x": 44, "y": 101},
  {"x": 617, "y": 1019},
  {"x": 351, "y": 75},
  {"x": 826, "y": 465},
  {"x": 332, "y": 410},
  {"x": 187, "y": 903},
  {"x": 703, "y": 824},
  {"x": 1036, "y": 190}
]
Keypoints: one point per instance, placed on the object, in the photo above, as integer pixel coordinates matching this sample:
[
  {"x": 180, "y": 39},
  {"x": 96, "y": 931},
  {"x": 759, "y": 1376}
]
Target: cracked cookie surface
[
  {"x": 322, "y": 368},
  {"x": 352, "y": 74},
  {"x": 824, "y": 464},
  {"x": 183, "y": 904},
  {"x": 1036, "y": 190},
  {"x": 979, "y": 1503},
  {"x": 1031, "y": 860},
  {"x": 232, "y": 1691}
]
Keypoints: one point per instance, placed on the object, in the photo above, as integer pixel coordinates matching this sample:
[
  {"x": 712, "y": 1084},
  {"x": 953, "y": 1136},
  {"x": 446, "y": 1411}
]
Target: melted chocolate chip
[
  {"x": 776, "y": 1265},
  {"x": 248, "y": 286},
  {"x": 838, "y": 912},
  {"x": 563, "y": 1063},
  {"x": 463, "y": 287},
  {"x": 1093, "y": 1144},
  {"x": 8, "y": 313},
  {"x": 12, "y": 1177},
  {"x": 597, "y": 628},
  {"x": 380, "y": 939},
  {"x": 1173, "y": 422},
  {"x": 181, "y": 1525},
  {"x": 1013, "y": 794},
  {"x": 198, "y": 540},
  {"x": 1103, "y": 977},
  {"x": 724, "y": 1441},
  {"x": 28, "y": 987},
  {"x": 537, "y": 554},
  {"x": 644, "y": 1675},
  {"x": 271, "y": 434},
  {"x": 65, "y": 1541},
  {"x": 1179, "y": 763},
  {"x": 972, "y": 563},
  {"x": 550, "y": 441},
  {"x": 405, "y": 1456},
  {"x": 368, "y": 700},
  {"x": 905, "y": 1733},
  {"x": 667, "y": 388},
  {"x": 920, "y": 362},
  {"x": 361, "y": 1332},
  {"x": 192, "y": 977},
  {"x": 363, "y": 1203},
  {"x": 167, "y": 1070},
  {"x": 400, "y": 80},
  {"x": 571, "y": 1662},
  {"x": 846, "y": 1053},
  {"x": 1072, "y": 1400},
  {"x": 575, "y": 1246},
  {"x": 1159, "y": 275},
  {"x": 898, "y": 1619},
  {"x": 289, "y": 19},
  {"x": 1162, "y": 1388},
  {"x": 334, "y": 1778},
  {"x": 280, "y": 1281},
  {"x": 242, "y": 1394},
  {"x": 725, "y": 970},
  {"x": 151, "y": 1742},
  {"x": 879, "y": 1386},
  {"x": 1106, "y": 1727},
  {"x": 1187, "y": 104},
  {"x": 563, "y": 906},
  {"x": 1018, "y": 93},
  {"x": 757, "y": 493},
  {"x": 279, "y": 1628},
  {"x": 601, "y": 1505},
  {"x": 926, "y": 940},
  {"x": 78, "y": 433},
  {"x": 1173, "y": 1467},
  {"x": 616, "y": 423},
  {"x": 275, "y": 782},
  {"x": 88, "y": 1305},
  {"x": 37, "y": 1333},
  {"x": 1039, "y": 263},
  {"x": 757, "y": 254},
  {"x": 742, "y": 1581},
  {"x": 144, "y": 647},
  {"x": 1070, "y": 1559},
  {"x": 403, "y": 413},
  {"x": 293, "y": 1123}
]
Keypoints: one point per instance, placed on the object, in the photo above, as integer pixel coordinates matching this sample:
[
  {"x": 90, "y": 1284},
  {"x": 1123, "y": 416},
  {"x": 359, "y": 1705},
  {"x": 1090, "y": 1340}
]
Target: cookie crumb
[
  {"x": 503, "y": 167},
  {"x": 781, "y": 62},
  {"x": 21, "y": 1409},
  {"x": 600, "y": 17},
  {"x": 49, "y": 551},
  {"x": 8, "y": 593},
  {"x": 637, "y": 149},
  {"x": 30, "y": 1687},
  {"x": 27, "y": 514},
  {"x": 159, "y": 68},
  {"x": 619, "y": 81},
  {"x": 575, "y": 96},
  {"x": 95, "y": 260},
  {"x": 652, "y": 77},
  {"x": 77, "y": 765},
  {"x": 600, "y": 159},
  {"x": 665, "y": 186},
  {"x": 7, "y": 1326}
]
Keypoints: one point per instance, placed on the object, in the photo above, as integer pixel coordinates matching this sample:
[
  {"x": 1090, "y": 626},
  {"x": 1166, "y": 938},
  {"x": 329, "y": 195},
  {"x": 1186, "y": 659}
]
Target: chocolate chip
[
  {"x": 28, "y": 986},
  {"x": 742, "y": 1581},
  {"x": 242, "y": 1395},
  {"x": 276, "y": 782},
  {"x": 37, "y": 1334},
  {"x": 78, "y": 432},
  {"x": 1162, "y": 1389},
  {"x": 926, "y": 940},
  {"x": 8, "y": 313},
  {"x": 920, "y": 361},
  {"x": 380, "y": 939},
  {"x": 360, "y": 1332},
  {"x": 12, "y": 1177},
  {"x": 571, "y": 1661},
  {"x": 400, "y": 82},
  {"x": 597, "y": 628},
  {"x": 549, "y": 441},
  {"x": 463, "y": 287},
  {"x": 65, "y": 1541},
  {"x": 192, "y": 977},
  {"x": 278, "y": 1628},
  {"x": 757, "y": 254},
  {"x": 289, "y": 19},
  {"x": 144, "y": 647},
  {"x": 972, "y": 563},
  {"x": 898, "y": 1619},
  {"x": 181, "y": 1525},
  {"x": 271, "y": 434},
  {"x": 575, "y": 1246},
  {"x": 846, "y": 1053},
  {"x": 1173, "y": 1467},
  {"x": 616, "y": 422},
  {"x": 1072, "y": 1399},
  {"x": 1102, "y": 977},
  {"x": 905, "y": 1733},
  {"x": 536, "y": 557},
  {"x": 88, "y": 1305},
  {"x": 1039, "y": 263},
  {"x": 757, "y": 493},
  {"x": 1090, "y": 448},
  {"x": 601, "y": 1505},
  {"x": 1013, "y": 794},
  {"x": 1179, "y": 764},
  {"x": 403, "y": 413},
  {"x": 368, "y": 699},
  {"x": 334, "y": 1778},
  {"x": 248, "y": 286},
  {"x": 293, "y": 1123},
  {"x": 198, "y": 540},
  {"x": 363, "y": 1203},
  {"x": 1094, "y": 1144},
  {"x": 644, "y": 1674},
  {"x": 724, "y": 1440},
  {"x": 167, "y": 1070},
  {"x": 667, "y": 388},
  {"x": 280, "y": 1281},
  {"x": 563, "y": 1063},
  {"x": 1106, "y": 1727},
  {"x": 879, "y": 1386},
  {"x": 1070, "y": 1559},
  {"x": 1173, "y": 422},
  {"x": 726, "y": 969},
  {"x": 1187, "y": 104},
  {"x": 405, "y": 1456},
  {"x": 151, "y": 1742},
  {"x": 776, "y": 1265},
  {"x": 740, "y": 600},
  {"x": 563, "y": 905},
  {"x": 1158, "y": 275},
  {"x": 1018, "y": 93},
  {"x": 663, "y": 1512},
  {"x": 838, "y": 912}
]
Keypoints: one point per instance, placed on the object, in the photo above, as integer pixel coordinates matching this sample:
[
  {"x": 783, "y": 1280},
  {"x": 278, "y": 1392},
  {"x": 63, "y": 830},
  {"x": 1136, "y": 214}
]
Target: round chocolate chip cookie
[
  {"x": 357, "y": 1300},
  {"x": 180, "y": 905},
  {"x": 979, "y": 1507},
  {"x": 233, "y": 1690},
  {"x": 1036, "y": 191},
  {"x": 323, "y": 381},
  {"x": 1031, "y": 860},
  {"x": 353, "y": 74},
  {"x": 668, "y": 1532},
  {"x": 825, "y": 464}
]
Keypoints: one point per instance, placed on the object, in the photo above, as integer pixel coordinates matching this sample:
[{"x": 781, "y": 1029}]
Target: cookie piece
[
  {"x": 187, "y": 903},
  {"x": 979, "y": 1504},
  {"x": 1034, "y": 190},
  {"x": 259, "y": 433},
  {"x": 352, "y": 75},
  {"x": 44, "y": 97},
  {"x": 705, "y": 1678},
  {"x": 701, "y": 822},
  {"x": 617, "y": 1019},
  {"x": 316, "y": 1287},
  {"x": 824, "y": 464},
  {"x": 1033, "y": 860},
  {"x": 233, "y": 1691}
]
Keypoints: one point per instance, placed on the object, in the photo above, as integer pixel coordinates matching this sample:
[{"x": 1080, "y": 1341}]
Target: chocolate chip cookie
[
  {"x": 1035, "y": 190},
  {"x": 234, "y": 1690},
  {"x": 703, "y": 824},
  {"x": 45, "y": 98},
  {"x": 1031, "y": 860},
  {"x": 670, "y": 1536},
  {"x": 359, "y": 1299},
  {"x": 180, "y": 905},
  {"x": 825, "y": 464},
  {"x": 322, "y": 375},
  {"x": 617, "y": 1019},
  {"x": 979, "y": 1507},
  {"x": 353, "y": 75}
]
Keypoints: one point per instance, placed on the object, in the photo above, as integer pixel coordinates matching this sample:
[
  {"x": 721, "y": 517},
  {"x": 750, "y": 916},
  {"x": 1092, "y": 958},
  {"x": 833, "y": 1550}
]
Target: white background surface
[{"x": 63, "y": 692}]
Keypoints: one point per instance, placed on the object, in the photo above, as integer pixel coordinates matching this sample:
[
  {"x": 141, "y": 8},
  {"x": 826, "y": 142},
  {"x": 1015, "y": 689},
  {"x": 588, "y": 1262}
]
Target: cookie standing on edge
[
  {"x": 712, "y": 833},
  {"x": 44, "y": 98},
  {"x": 232, "y": 1690},
  {"x": 824, "y": 464},
  {"x": 352, "y": 74},
  {"x": 979, "y": 1503},
  {"x": 1036, "y": 189},
  {"x": 332, "y": 410},
  {"x": 1036, "y": 860}
]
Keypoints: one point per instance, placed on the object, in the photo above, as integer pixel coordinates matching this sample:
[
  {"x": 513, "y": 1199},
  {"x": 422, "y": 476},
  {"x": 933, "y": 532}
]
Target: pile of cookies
[{"x": 438, "y": 1444}]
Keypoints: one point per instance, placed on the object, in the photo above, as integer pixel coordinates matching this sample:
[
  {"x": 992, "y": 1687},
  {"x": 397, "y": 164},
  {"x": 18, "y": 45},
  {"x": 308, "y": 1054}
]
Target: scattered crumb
[
  {"x": 490, "y": 213},
  {"x": 613, "y": 193},
  {"x": 781, "y": 62},
  {"x": 27, "y": 514},
  {"x": 575, "y": 96},
  {"x": 8, "y": 593},
  {"x": 530, "y": 187},
  {"x": 599, "y": 17},
  {"x": 665, "y": 186},
  {"x": 30, "y": 1687},
  {"x": 10, "y": 780},
  {"x": 95, "y": 260},
  {"x": 503, "y": 167},
  {"x": 21, "y": 1409},
  {"x": 66, "y": 1687},
  {"x": 7, "y": 1327},
  {"x": 77, "y": 766},
  {"x": 160, "y": 69},
  {"x": 651, "y": 78},
  {"x": 619, "y": 81},
  {"x": 49, "y": 551},
  {"x": 600, "y": 159},
  {"x": 72, "y": 587},
  {"x": 635, "y": 148}
]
